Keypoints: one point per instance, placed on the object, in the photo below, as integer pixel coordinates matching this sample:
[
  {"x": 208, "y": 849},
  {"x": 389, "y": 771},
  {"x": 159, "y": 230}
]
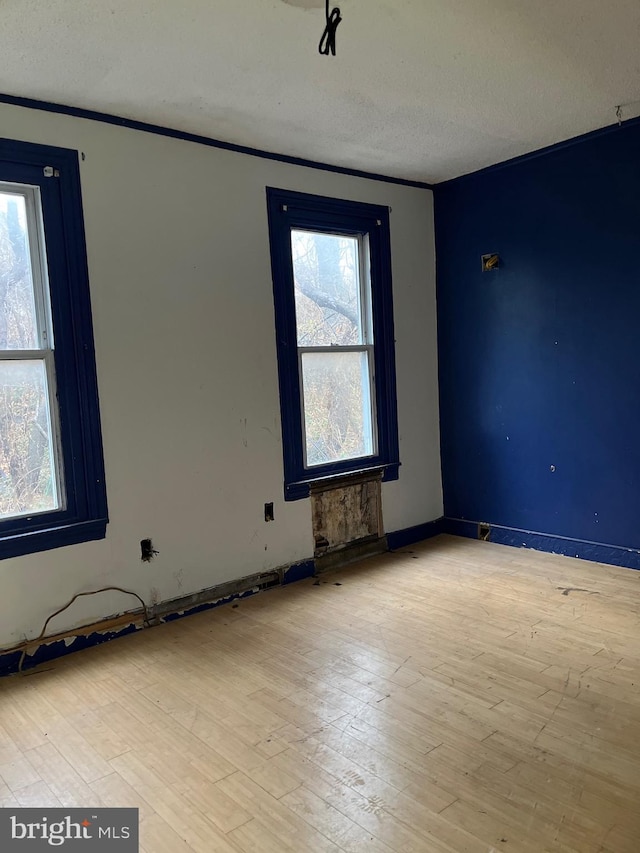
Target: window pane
[
  {"x": 327, "y": 289},
  {"x": 337, "y": 406},
  {"x": 27, "y": 482},
  {"x": 17, "y": 309}
]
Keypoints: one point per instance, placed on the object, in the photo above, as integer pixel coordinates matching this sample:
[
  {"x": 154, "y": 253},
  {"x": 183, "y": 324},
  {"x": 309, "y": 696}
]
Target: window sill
[
  {"x": 303, "y": 488},
  {"x": 52, "y": 537}
]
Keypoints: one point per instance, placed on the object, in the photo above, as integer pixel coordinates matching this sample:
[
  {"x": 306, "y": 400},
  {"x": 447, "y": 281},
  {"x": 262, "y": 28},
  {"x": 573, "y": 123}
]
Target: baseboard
[
  {"x": 596, "y": 552},
  {"x": 52, "y": 647},
  {"x": 299, "y": 571},
  {"x": 351, "y": 553},
  {"x": 411, "y": 535},
  {"x": 58, "y": 645}
]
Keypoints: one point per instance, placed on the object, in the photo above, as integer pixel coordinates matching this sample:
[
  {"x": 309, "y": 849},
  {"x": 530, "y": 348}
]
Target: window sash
[
  {"x": 364, "y": 307},
  {"x": 365, "y": 316},
  {"x": 44, "y": 350},
  {"x": 370, "y": 419},
  {"x": 37, "y": 257}
]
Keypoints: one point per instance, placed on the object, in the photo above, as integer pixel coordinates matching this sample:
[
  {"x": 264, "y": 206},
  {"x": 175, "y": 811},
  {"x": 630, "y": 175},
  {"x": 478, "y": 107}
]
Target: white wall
[{"x": 183, "y": 316}]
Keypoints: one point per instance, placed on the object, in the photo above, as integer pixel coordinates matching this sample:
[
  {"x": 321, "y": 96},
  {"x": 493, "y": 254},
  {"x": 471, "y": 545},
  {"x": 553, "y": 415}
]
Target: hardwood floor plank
[
  {"x": 331, "y": 823},
  {"x": 295, "y": 832},
  {"x": 37, "y": 795},
  {"x": 159, "y": 837},
  {"x": 115, "y": 792},
  {"x": 18, "y": 773},
  {"x": 62, "y": 776}
]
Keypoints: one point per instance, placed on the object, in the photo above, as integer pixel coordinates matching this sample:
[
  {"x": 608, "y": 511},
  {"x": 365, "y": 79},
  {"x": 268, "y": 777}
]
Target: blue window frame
[
  {"x": 52, "y": 488},
  {"x": 331, "y": 266}
]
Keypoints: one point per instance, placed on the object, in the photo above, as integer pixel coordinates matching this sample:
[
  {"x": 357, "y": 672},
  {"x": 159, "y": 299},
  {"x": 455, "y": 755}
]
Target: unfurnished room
[{"x": 319, "y": 417}]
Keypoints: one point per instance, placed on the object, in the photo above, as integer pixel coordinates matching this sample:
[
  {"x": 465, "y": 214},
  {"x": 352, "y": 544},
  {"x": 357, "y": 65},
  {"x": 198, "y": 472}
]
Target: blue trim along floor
[
  {"x": 595, "y": 552},
  {"x": 592, "y": 551},
  {"x": 411, "y": 535},
  {"x": 10, "y": 660}
]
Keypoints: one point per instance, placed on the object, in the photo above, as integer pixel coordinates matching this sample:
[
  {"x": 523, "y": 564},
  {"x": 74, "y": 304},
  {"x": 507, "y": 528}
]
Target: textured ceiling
[{"x": 420, "y": 89}]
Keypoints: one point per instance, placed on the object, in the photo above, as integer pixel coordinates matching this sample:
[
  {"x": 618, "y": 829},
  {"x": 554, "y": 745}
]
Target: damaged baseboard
[
  {"x": 54, "y": 646},
  {"x": 175, "y": 608}
]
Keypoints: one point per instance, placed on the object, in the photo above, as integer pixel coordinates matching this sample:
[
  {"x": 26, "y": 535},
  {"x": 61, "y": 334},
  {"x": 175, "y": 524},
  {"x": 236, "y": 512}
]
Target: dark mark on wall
[{"x": 147, "y": 551}]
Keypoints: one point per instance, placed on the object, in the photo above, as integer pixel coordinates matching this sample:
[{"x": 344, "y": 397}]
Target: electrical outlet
[
  {"x": 147, "y": 551},
  {"x": 484, "y": 532}
]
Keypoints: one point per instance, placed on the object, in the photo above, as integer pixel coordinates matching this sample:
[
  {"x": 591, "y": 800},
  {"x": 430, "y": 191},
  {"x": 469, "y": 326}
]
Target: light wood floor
[{"x": 458, "y": 696}]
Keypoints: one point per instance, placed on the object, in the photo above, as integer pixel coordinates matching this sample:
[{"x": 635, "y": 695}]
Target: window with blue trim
[
  {"x": 52, "y": 489},
  {"x": 331, "y": 265}
]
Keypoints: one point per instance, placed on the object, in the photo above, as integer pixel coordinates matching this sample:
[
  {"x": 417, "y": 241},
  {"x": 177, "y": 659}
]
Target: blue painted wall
[{"x": 540, "y": 360}]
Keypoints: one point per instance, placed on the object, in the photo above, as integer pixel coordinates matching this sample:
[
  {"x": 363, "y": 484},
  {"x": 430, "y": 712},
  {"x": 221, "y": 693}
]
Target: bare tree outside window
[
  {"x": 27, "y": 472},
  {"x": 335, "y": 342}
]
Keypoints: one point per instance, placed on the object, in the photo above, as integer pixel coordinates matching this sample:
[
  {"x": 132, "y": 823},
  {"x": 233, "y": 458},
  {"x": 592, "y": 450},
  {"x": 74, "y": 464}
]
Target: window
[
  {"x": 52, "y": 488},
  {"x": 331, "y": 266}
]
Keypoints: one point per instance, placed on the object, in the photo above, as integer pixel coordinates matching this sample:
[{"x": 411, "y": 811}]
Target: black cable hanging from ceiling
[{"x": 328, "y": 41}]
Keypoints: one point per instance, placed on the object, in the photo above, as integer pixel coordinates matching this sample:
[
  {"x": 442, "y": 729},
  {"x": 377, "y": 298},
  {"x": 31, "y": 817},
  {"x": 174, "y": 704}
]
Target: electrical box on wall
[{"x": 490, "y": 262}]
